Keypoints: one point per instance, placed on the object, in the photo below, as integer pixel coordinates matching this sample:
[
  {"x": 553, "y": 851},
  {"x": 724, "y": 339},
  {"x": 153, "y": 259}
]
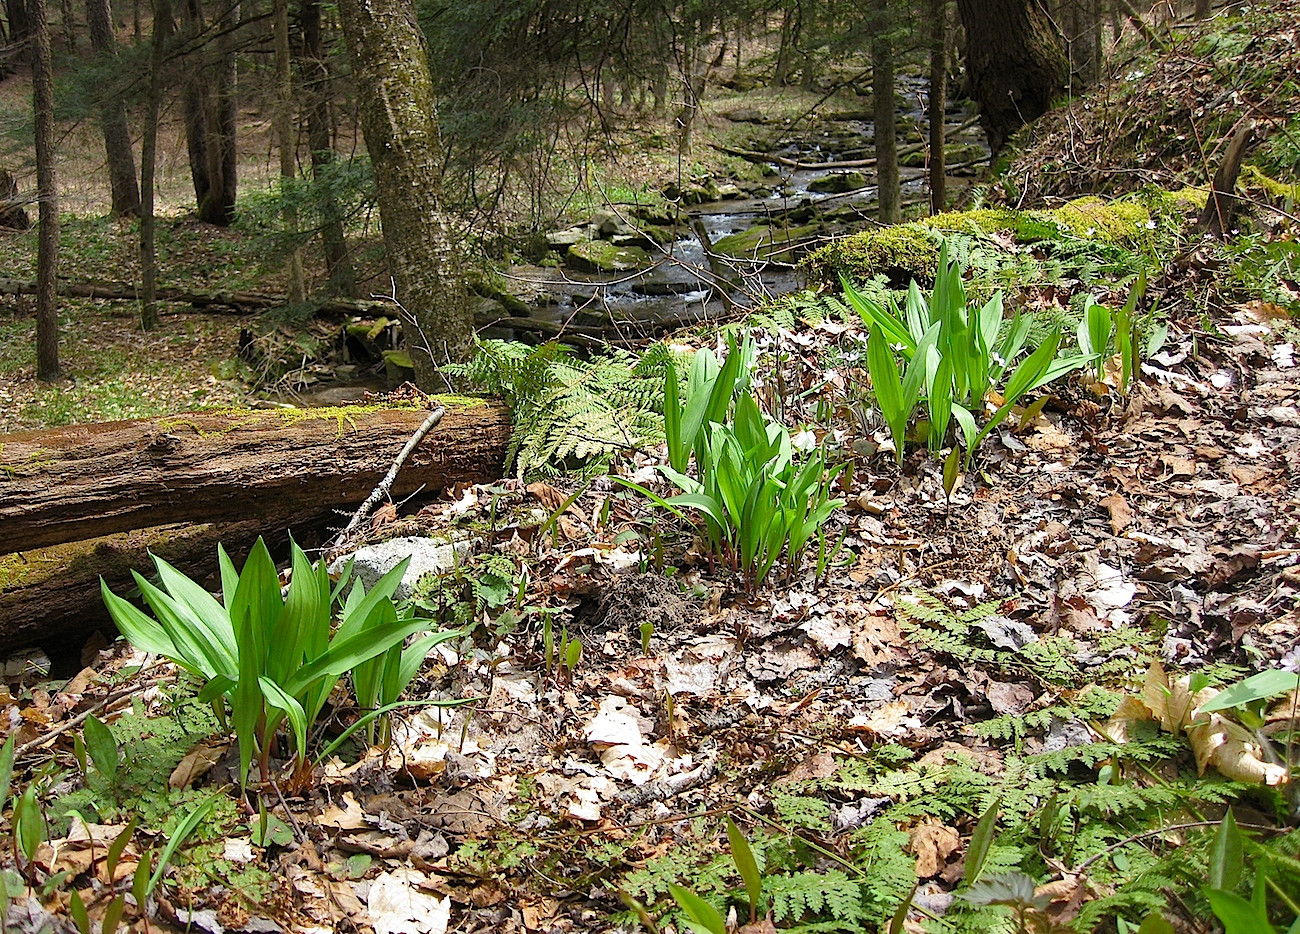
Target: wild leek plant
[
  {"x": 1103, "y": 335},
  {"x": 271, "y": 658},
  {"x": 956, "y": 357},
  {"x": 710, "y": 388},
  {"x": 757, "y": 501}
]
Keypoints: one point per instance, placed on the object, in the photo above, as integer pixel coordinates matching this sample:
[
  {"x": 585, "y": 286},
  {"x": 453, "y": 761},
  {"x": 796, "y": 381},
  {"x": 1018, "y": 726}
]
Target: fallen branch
[
  {"x": 385, "y": 485},
  {"x": 1221, "y": 206}
]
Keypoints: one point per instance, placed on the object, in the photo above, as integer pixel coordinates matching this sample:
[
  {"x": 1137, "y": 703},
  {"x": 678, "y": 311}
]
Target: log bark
[
  {"x": 241, "y": 301},
  {"x": 70, "y": 484},
  {"x": 50, "y": 597}
]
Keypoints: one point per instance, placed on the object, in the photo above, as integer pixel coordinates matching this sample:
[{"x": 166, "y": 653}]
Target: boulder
[
  {"x": 428, "y": 556},
  {"x": 601, "y": 256},
  {"x": 837, "y": 183}
]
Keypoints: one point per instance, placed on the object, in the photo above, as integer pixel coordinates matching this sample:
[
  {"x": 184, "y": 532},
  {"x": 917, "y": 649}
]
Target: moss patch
[
  {"x": 1122, "y": 222},
  {"x": 601, "y": 256},
  {"x": 764, "y": 242},
  {"x": 1253, "y": 178},
  {"x": 900, "y": 253}
]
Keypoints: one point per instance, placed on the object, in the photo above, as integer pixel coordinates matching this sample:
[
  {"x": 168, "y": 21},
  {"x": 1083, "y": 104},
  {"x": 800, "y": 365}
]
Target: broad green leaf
[
  {"x": 1258, "y": 687},
  {"x": 346, "y": 655},
  {"x": 102, "y": 747},
  {"x": 204, "y": 610},
  {"x": 703, "y": 916},
  {"x": 118, "y": 846},
  {"x": 1155, "y": 923},
  {"x": 748, "y": 866},
  {"x": 980, "y": 841},
  {"x": 113, "y": 915},
  {"x": 6, "y": 770},
  {"x": 888, "y": 388},
  {"x": 1237, "y": 915},
  {"x": 1226, "y": 858},
  {"x": 898, "y": 923},
  {"x": 196, "y": 649},
  {"x": 77, "y": 908},
  {"x": 28, "y": 822},
  {"x": 297, "y": 717},
  {"x": 141, "y": 631}
]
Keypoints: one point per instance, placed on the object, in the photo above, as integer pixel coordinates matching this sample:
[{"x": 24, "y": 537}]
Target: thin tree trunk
[
  {"x": 320, "y": 137},
  {"x": 162, "y": 19},
  {"x": 391, "y": 68},
  {"x": 886, "y": 129},
  {"x": 219, "y": 206},
  {"x": 68, "y": 22},
  {"x": 47, "y": 261},
  {"x": 196, "y": 126},
  {"x": 938, "y": 105},
  {"x": 112, "y": 116},
  {"x": 287, "y": 141}
]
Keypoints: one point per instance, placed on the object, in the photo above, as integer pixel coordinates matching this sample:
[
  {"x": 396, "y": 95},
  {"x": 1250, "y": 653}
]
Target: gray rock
[{"x": 428, "y": 556}]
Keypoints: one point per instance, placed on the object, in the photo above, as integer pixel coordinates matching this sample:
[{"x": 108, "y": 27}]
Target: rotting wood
[
  {"x": 50, "y": 596},
  {"x": 70, "y": 484},
  {"x": 242, "y": 301}
]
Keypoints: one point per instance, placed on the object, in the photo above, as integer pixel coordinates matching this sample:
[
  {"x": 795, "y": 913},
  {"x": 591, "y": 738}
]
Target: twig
[
  {"x": 75, "y": 721},
  {"x": 386, "y": 484}
]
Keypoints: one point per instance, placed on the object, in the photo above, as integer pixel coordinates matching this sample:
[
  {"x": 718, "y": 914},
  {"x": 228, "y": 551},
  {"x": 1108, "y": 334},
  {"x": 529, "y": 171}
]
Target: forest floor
[{"x": 970, "y": 683}]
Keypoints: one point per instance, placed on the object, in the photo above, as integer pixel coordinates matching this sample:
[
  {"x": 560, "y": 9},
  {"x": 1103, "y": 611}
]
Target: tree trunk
[
  {"x": 886, "y": 128},
  {"x": 938, "y": 105},
  {"x": 70, "y": 484},
  {"x": 47, "y": 261},
  {"x": 162, "y": 19},
  {"x": 112, "y": 116},
  {"x": 320, "y": 137},
  {"x": 196, "y": 126},
  {"x": 1016, "y": 61},
  {"x": 391, "y": 70},
  {"x": 287, "y": 142},
  {"x": 218, "y": 207}
]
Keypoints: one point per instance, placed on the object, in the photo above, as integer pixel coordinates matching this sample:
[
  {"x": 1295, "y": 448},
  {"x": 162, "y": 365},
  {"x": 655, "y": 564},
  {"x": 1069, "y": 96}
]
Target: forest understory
[{"x": 1038, "y": 671}]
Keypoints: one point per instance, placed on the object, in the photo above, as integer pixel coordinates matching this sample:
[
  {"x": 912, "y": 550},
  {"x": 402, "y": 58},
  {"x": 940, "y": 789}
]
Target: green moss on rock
[
  {"x": 601, "y": 256},
  {"x": 1122, "y": 222},
  {"x": 900, "y": 253},
  {"x": 764, "y": 242}
]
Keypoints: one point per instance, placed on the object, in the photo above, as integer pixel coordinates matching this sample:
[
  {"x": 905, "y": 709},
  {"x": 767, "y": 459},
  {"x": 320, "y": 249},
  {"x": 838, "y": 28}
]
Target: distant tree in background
[
  {"x": 47, "y": 262},
  {"x": 1015, "y": 62},
  {"x": 112, "y": 115}
]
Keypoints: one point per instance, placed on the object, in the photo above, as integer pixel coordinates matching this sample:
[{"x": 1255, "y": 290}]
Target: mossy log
[
  {"x": 231, "y": 465},
  {"x": 50, "y": 596}
]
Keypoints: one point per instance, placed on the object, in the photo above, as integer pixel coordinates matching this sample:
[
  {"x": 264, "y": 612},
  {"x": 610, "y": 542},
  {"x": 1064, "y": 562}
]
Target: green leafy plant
[
  {"x": 957, "y": 356},
  {"x": 1103, "y": 334},
  {"x": 756, "y": 499},
  {"x": 710, "y": 389},
  {"x": 271, "y": 658}
]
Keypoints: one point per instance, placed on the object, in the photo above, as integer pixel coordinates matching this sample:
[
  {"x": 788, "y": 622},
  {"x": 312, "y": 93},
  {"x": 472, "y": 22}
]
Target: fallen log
[
  {"x": 239, "y": 301},
  {"x": 50, "y": 596},
  {"x": 223, "y": 466}
]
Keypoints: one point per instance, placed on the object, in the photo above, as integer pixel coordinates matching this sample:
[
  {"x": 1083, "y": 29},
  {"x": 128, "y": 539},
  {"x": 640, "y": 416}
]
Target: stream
[{"x": 679, "y": 288}]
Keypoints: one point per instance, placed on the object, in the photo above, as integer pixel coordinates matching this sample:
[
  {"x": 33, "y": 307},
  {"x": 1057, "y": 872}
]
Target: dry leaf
[
  {"x": 933, "y": 843},
  {"x": 197, "y": 763},
  {"x": 1121, "y": 516}
]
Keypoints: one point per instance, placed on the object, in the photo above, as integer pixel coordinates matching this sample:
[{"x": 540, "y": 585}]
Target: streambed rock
[{"x": 602, "y": 256}]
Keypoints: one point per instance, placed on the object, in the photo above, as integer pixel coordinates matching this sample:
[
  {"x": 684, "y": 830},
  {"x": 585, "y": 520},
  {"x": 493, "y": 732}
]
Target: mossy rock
[
  {"x": 601, "y": 256},
  {"x": 838, "y": 183},
  {"x": 764, "y": 242},
  {"x": 398, "y": 368},
  {"x": 1122, "y": 222},
  {"x": 901, "y": 254}
]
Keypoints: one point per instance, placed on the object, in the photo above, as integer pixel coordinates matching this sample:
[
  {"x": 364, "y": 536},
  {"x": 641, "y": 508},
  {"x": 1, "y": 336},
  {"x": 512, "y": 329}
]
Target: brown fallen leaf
[
  {"x": 197, "y": 763},
  {"x": 1121, "y": 516},
  {"x": 933, "y": 843}
]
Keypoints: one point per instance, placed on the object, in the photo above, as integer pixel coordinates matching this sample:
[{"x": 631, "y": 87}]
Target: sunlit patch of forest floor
[{"x": 963, "y": 711}]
